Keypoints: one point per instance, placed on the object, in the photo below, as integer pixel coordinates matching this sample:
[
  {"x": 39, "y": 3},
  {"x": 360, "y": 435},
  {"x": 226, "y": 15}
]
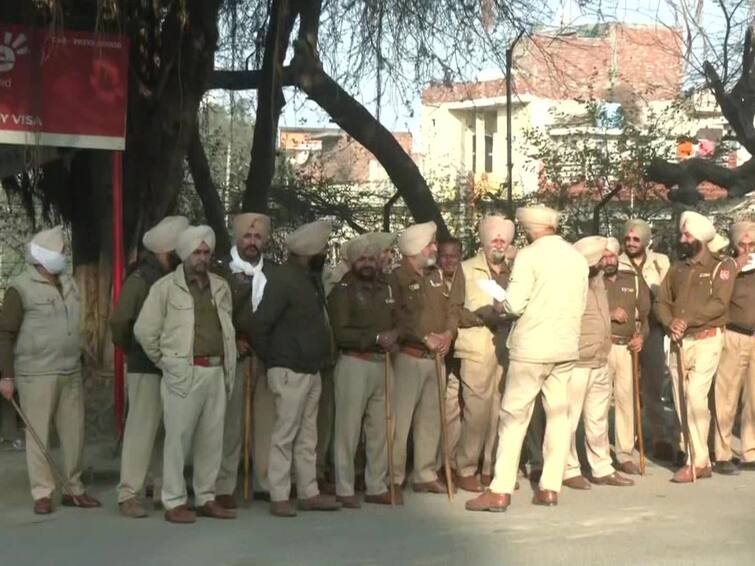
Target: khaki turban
[
  {"x": 309, "y": 239},
  {"x": 641, "y": 228},
  {"x": 383, "y": 240},
  {"x": 537, "y": 217},
  {"x": 162, "y": 238},
  {"x": 698, "y": 226},
  {"x": 415, "y": 237},
  {"x": 193, "y": 237},
  {"x": 718, "y": 244},
  {"x": 738, "y": 230},
  {"x": 592, "y": 247},
  {"x": 51, "y": 240},
  {"x": 493, "y": 227},
  {"x": 361, "y": 246},
  {"x": 243, "y": 222},
  {"x": 613, "y": 246}
]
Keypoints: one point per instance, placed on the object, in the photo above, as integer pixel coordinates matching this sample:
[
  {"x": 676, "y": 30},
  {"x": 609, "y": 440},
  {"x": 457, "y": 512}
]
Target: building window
[
  {"x": 471, "y": 128},
  {"x": 488, "y": 153}
]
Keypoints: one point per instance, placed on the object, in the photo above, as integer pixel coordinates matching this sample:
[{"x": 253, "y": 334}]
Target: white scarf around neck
[{"x": 259, "y": 280}]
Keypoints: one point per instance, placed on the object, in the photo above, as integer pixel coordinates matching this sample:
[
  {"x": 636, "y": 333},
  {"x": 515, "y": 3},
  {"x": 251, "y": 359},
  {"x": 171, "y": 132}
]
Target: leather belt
[
  {"x": 366, "y": 356},
  {"x": 208, "y": 361},
  {"x": 416, "y": 352},
  {"x": 620, "y": 340},
  {"x": 740, "y": 329},
  {"x": 707, "y": 333}
]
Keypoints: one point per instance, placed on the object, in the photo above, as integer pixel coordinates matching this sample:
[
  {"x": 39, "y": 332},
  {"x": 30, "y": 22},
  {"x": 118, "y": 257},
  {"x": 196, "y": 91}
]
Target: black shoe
[
  {"x": 725, "y": 468},
  {"x": 747, "y": 466}
]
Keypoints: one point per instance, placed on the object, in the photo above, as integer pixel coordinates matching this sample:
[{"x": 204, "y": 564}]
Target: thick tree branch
[
  {"x": 208, "y": 193},
  {"x": 244, "y": 80},
  {"x": 357, "y": 121}
]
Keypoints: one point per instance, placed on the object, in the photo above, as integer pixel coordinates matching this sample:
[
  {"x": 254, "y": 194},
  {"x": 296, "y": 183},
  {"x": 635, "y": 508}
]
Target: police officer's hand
[
  {"x": 488, "y": 315},
  {"x": 388, "y": 341},
  {"x": 619, "y": 315},
  {"x": 678, "y": 327},
  {"x": 741, "y": 260},
  {"x": 7, "y": 387},
  {"x": 635, "y": 344},
  {"x": 444, "y": 343},
  {"x": 242, "y": 346}
]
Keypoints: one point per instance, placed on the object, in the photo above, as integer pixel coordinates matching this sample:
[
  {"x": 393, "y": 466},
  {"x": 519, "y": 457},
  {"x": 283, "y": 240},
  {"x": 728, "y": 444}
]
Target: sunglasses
[{"x": 632, "y": 239}]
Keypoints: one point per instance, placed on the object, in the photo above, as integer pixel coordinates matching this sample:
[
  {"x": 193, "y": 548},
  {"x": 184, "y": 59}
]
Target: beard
[
  {"x": 687, "y": 250},
  {"x": 251, "y": 253},
  {"x": 636, "y": 253},
  {"x": 611, "y": 270},
  {"x": 317, "y": 263},
  {"x": 366, "y": 273},
  {"x": 497, "y": 257}
]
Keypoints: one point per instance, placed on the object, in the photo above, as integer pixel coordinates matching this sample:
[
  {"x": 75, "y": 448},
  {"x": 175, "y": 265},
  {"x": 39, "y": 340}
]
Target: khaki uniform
[
  {"x": 40, "y": 346},
  {"x": 262, "y": 399},
  {"x": 653, "y": 359},
  {"x": 188, "y": 333},
  {"x": 480, "y": 370},
  {"x": 291, "y": 336},
  {"x": 590, "y": 387},
  {"x": 145, "y": 409},
  {"x": 699, "y": 293},
  {"x": 423, "y": 305},
  {"x": 629, "y": 292},
  {"x": 547, "y": 292},
  {"x": 736, "y": 372},
  {"x": 359, "y": 311}
]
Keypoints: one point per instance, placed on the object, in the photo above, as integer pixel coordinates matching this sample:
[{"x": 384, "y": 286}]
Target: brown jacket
[
  {"x": 742, "y": 305},
  {"x": 424, "y": 304},
  {"x": 630, "y": 293},
  {"x": 698, "y": 292},
  {"x": 595, "y": 332}
]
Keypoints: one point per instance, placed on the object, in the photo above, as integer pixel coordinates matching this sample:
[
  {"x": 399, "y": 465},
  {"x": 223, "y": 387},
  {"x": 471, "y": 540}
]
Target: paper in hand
[{"x": 493, "y": 289}]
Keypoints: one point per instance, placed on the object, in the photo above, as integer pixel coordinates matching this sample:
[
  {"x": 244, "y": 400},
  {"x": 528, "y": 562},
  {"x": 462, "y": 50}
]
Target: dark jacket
[
  {"x": 134, "y": 292},
  {"x": 290, "y": 329}
]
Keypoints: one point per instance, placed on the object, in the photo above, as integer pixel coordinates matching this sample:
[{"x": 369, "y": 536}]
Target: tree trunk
[
  {"x": 269, "y": 104},
  {"x": 208, "y": 193}
]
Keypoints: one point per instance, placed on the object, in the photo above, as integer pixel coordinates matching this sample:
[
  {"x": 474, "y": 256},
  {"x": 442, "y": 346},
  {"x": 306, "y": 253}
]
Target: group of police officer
[{"x": 513, "y": 348}]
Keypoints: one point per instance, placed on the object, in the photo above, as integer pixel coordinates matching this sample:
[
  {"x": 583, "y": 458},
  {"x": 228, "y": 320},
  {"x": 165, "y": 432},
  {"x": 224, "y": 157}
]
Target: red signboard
[{"x": 62, "y": 89}]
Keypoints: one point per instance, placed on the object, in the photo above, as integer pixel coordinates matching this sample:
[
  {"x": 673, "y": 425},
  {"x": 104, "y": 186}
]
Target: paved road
[{"x": 655, "y": 522}]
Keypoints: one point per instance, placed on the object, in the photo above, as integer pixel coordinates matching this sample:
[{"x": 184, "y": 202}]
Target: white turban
[
  {"x": 309, "y": 239},
  {"x": 46, "y": 249},
  {"x": 537, "y": 217},
  {"x": 738, "y": 230},
  {"x": 641, "y": 228},
  {"x": 415, "y": 237},
  {"x": 361, "y": 246},
  {"x": 698, "y": 226},
  {"x": 494, "y": 227},
  {"x": 592, "y": 247},
  {"x": 613, "y": 246},
  {"x": 162, "y": 238},
  {"x": 193, "y": 237},
  {"x": 383, "y": 240},
  {"x": 243, "y": 222},
  {"x": 718, "y": 244}
]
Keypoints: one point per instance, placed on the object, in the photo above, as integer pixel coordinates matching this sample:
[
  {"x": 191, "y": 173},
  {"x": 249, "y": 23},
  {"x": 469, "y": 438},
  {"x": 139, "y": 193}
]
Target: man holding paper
[
  {"x": 486, "y": 277},
  {"x": 547, "y": 292}
]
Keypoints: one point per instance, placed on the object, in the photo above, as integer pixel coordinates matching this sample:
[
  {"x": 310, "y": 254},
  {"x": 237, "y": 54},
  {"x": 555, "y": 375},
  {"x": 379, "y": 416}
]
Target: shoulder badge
[{"x": 724, "y": 274}]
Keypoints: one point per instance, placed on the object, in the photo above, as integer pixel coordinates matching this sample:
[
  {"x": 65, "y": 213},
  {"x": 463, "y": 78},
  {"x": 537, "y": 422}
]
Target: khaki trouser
[
  {"x": 415, "y": 402},
  {"x": 524, "y": 381},
  {"x": 590, "y": 398},
  {"x": 453, "y": 418},
  {"x": 360, "y": 396},
  {"x": 736, "y": 376},
  {"x": 620, "y": 374},
  {"x": 491, "y": 439},
  {"x": 294, "y": 437},
  {"x": 325, "y": 423},
  {"x": 263, "y": 416},
  {"x": 193, "y": 424},
  {"x": 701, "y": 359},
  {"x": 653, "y": 366},
  {"x": 145, "y": 415},
  {"x": 479, "y": 386},
  {"x": 44, "y": 399}
]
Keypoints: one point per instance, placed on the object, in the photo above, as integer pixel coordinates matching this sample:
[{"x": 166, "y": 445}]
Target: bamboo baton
[
  {"x": 638, "y": 409},
  {"x": 50, "y": 462},
  {"x": 682, "y": 393},
  {"x": 389, "y": 428},
  {"x": 247, "y": 423},
  {"x": 443, "y": 428}
]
